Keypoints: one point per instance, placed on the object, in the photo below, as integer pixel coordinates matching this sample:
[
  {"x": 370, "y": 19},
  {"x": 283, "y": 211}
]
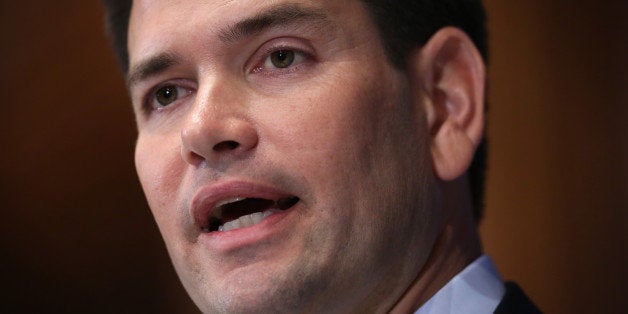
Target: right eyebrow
[
  {"x": 151, "y": 67},
  {"x": 280, "y": 15}
]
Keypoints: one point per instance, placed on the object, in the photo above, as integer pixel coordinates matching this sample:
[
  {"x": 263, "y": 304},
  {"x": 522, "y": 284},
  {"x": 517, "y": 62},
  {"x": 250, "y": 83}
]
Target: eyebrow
[
  {"x": 151, "y": 67},
  {"x": 278, "y": 16}
]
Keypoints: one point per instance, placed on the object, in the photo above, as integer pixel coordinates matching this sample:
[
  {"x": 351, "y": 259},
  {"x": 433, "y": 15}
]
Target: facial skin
[{"x": 339, "y": 128}]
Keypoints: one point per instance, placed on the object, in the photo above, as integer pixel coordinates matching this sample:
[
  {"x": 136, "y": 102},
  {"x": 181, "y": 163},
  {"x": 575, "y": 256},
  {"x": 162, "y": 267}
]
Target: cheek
[
  {"x": 330, "y": 120},
  {"x": 160, "y": 170},
  {"x": 344, "y": 131},
  {"x": 345, "y": 137}
]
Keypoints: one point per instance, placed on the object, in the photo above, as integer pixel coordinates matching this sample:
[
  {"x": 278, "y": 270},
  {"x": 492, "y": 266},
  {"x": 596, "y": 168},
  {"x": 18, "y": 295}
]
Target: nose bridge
[
  {"x": 214, "y": 104},
  {"x": 220, "y": 95},
  {"x": 218, "y": 127}
]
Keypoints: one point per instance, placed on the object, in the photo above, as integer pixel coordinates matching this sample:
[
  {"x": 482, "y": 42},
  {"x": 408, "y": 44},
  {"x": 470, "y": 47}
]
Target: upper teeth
[
  {"x": 245, "y": 221},
  {"x": 229, "y": 201}
]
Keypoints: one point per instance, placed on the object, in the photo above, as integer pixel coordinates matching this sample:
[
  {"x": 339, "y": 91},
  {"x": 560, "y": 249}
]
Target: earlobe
[{"x": 452, "y": 76}]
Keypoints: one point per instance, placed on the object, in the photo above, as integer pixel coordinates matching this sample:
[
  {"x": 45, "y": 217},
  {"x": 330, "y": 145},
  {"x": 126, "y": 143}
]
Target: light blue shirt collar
[{"x": 477, "y": 289}]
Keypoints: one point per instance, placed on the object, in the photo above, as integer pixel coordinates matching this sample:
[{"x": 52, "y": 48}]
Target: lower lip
[{"x": 265, "y": 230}]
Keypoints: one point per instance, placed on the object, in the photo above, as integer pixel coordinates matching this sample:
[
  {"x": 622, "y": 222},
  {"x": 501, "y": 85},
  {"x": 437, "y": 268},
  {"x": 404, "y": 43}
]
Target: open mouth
[{"x": 241, "y": 212}]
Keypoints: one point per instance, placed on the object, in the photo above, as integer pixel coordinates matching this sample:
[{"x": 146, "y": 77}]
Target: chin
[{"x": 247, "y": 295}]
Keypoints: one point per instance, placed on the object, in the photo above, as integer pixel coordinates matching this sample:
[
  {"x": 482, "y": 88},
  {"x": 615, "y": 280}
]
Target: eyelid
[{"x": 299, "y": 46}]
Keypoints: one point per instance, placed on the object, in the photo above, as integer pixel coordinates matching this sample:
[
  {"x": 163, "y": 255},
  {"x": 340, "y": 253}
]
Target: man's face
[{"x": 283, "y": 157}]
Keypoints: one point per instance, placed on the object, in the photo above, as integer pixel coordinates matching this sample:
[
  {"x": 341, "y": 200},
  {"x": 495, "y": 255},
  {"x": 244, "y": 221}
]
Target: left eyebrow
[{"x": 278, "y": 16}]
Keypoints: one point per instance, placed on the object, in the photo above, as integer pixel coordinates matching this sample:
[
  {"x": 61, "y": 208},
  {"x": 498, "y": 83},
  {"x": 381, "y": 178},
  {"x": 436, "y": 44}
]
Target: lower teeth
[{"x": 245, "y": 221}]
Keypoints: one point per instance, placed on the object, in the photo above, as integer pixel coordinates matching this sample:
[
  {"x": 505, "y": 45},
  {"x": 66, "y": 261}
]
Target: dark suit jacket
[{"x": 515, "y": 302}]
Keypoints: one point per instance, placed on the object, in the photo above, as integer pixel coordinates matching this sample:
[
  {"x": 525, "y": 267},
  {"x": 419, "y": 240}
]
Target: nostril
[{"x": 226, "y": 146}]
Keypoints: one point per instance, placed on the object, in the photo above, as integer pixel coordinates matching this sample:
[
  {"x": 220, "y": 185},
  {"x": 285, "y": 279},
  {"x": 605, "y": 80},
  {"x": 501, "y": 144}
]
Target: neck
[{"x": 456, "y": 247}]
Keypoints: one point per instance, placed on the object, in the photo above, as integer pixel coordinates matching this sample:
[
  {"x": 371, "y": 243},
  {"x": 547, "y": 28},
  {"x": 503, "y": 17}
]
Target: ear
[{"x": 451, "y": 73}]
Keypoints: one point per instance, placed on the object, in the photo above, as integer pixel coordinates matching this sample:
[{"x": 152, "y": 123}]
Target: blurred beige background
[{"x": 77, "y": 237}]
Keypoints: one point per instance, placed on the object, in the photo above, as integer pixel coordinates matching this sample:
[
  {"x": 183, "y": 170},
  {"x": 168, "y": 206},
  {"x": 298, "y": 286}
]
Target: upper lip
[{"x": 208, "y": 198}]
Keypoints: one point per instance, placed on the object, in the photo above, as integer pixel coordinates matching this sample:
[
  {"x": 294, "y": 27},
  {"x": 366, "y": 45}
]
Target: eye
[
  {"x": 159, "y": 96},
  {"x": 283, "y": 58},
  {"x": 166, "y": 95}
]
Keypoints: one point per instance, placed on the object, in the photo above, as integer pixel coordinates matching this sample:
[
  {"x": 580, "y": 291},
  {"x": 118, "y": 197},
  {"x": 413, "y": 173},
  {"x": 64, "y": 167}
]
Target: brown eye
[
  {"x": 166, "y": 95},
  {"x": 282, "y": 58}
]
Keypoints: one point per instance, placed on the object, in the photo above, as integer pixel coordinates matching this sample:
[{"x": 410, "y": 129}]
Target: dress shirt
[{"x": 477, "y": 289}]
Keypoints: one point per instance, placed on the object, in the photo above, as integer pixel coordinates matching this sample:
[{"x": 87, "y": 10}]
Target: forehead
[{"x": 161, "y": 24}]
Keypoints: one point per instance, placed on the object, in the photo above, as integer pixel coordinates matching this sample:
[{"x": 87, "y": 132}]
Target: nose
[{"x": 217, "y": 131}]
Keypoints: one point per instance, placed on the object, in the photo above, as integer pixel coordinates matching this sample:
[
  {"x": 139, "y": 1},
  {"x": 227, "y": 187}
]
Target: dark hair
[
  {"x": 118, "y": 13},
  {"x": 403, "y": 25}
]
